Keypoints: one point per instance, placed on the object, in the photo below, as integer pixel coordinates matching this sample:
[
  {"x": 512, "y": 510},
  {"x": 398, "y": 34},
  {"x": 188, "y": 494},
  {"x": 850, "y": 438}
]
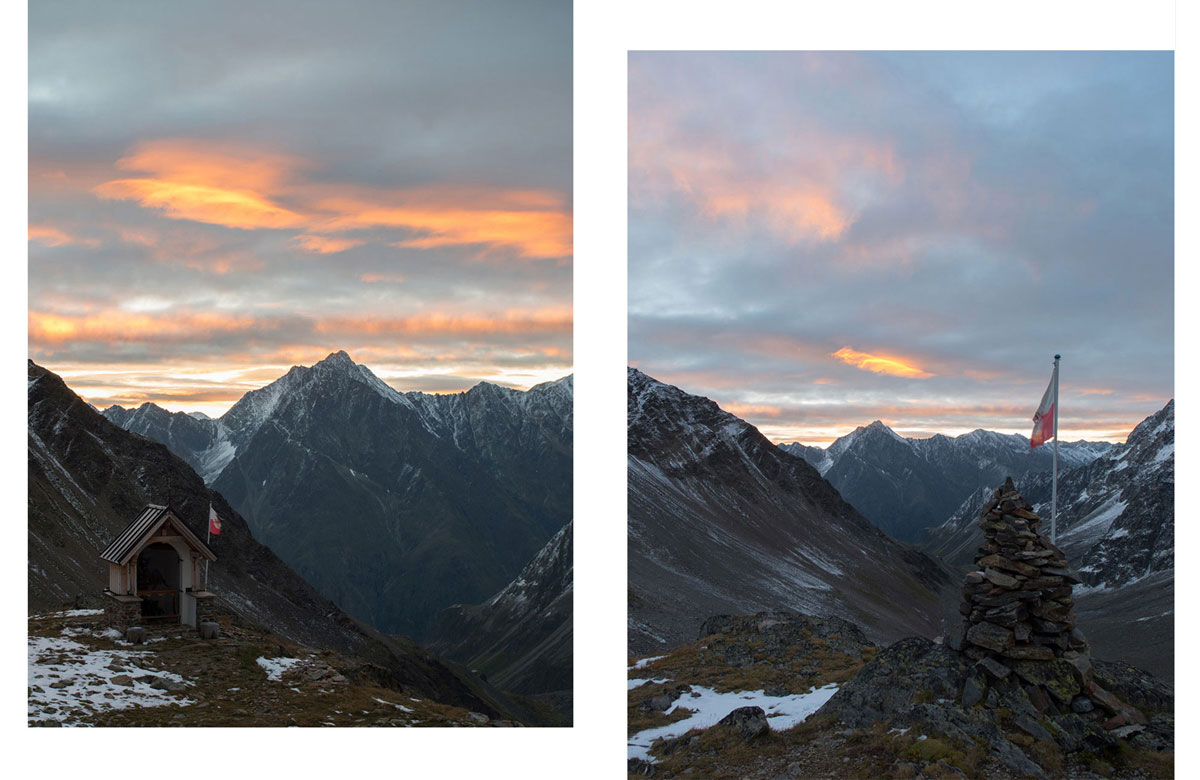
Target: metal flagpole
[
  {"x": 208, "y": 539},
  {"x": 1054, "y": 479}
]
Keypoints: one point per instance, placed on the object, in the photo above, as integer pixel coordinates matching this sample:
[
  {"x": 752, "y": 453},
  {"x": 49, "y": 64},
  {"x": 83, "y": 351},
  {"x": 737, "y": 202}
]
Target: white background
[{"x": 604, "y": 32}]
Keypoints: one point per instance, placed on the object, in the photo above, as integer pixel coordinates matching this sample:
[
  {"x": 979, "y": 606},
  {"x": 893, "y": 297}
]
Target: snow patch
[
  {"x": 783, "y": 712},
  {"x": 275, "y": 667},
  {"x": 86, "y": 683}
]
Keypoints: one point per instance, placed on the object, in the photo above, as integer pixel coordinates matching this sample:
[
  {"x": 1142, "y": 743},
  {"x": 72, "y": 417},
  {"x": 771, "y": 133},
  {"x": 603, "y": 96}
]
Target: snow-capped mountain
[
  {"x": 905, "y": 486},
  {"x": 1116, "y": 524},
  {"x": 395, "y": 505},
  {"x": 723, "y": 522},
  {"x": 1116, "y": 514},
  {"x": 88, "y": 478},
  {"x": 521, "y": 637}
]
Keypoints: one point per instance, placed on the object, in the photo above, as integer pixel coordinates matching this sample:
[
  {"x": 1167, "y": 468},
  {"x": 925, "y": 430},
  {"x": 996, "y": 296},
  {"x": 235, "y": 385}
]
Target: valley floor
[{"x": 82, "y": 674}]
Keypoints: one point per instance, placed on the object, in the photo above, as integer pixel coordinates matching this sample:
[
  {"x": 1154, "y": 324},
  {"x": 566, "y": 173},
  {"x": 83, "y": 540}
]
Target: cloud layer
[
  {"x": 823, "y": 239},
  {"x": 219, "y": 191}
]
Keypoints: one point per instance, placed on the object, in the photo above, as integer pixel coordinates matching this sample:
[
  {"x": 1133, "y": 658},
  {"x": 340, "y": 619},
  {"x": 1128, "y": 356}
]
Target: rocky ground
[
  {"x": 81, "y": 674},
  {"x": 896, "y": 712}
]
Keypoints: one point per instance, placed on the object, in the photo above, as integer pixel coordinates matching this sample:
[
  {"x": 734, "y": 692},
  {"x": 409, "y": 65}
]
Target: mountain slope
[
  {"x": 394, "y": 505},
  {"x": 723, "y": 522},
  {"x": 1116, "y": 515},
  {"x": 906, "y": 485},
  {"x": 88, "y": 478},
  {"x": 1116, "y": 524},
  {"x": 521, "y": 637}
]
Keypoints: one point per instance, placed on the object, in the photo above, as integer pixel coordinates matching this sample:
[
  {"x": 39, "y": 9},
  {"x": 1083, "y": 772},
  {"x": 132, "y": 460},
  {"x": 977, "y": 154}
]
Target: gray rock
[
  {"x": 1082, "y": 704},
  {"x": 165, "y": 684},
  {"x": 209, "y": 630},
  {"x": 993, "y": 667},
  {"x": 748, "y": 722},
  {"x": 121, "y": 679},
  {"x": 478, "y": 717},
  {"x": 1032, "y": 728},
  {"x": 973, "y": 690}
]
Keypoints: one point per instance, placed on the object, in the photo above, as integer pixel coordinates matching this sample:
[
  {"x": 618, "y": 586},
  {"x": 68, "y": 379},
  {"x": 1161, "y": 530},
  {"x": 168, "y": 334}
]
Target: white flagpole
[
  {"x": 208, "y": 539},
  {"x": 1054, "y": 481}
]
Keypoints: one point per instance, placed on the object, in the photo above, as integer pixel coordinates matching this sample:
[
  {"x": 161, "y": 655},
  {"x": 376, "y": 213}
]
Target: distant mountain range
[
  {"x": 394, "y": 505},
  {"x": 906, "y": 486},
  {"x": 1116, "y": 515},
  {"x": 721, "y": 521},
  {"x": 88, "y": 478},
  {"x": 1116, "y": 523}
]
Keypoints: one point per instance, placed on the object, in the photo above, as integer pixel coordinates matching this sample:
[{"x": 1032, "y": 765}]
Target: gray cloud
[{"x": 980, "y": 211}]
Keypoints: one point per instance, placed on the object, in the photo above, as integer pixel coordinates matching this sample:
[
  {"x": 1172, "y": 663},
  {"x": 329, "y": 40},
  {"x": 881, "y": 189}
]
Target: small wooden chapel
[{"x": 156, "y": 573}]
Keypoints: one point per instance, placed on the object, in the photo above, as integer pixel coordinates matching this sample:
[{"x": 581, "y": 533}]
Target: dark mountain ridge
[
  {"x": 904, "y": 485},
  {"x": 394, "y": 505},
  {"x": 721, "y": 521},
  {"x": 88, "y": 478}
]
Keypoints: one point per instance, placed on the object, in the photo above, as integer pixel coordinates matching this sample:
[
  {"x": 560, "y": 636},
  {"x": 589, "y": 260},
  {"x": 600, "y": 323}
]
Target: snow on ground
[
  {"x": 87, "y": 681},
  {"x": 275, "y": 667},
  {"x": 400, "y": 707},
  {"x": 638, "y": 683},
  {"x": 641, "y": 663},
  {"x": 783, "y": 712},
  {"x": 67, "y": 613}
]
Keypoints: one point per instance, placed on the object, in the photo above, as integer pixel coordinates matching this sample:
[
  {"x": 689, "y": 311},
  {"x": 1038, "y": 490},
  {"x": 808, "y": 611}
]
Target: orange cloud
[
  {"x": 326, "y": 246},
  {"x": 240, "y": 187},
  {"x": 121, "y": 326},
  {"x": 531, "y": 232},
  {"x": 881, "y": 364},
  {"x": 378, "y": 278},
  {"x": 758, "y": 410},
  {"x": 803, "y": 190},
  {"x": 52, "y": 236},
  {"x": 516, "y": 321}
]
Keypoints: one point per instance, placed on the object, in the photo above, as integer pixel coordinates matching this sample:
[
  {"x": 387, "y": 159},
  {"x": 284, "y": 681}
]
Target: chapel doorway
[{"x": 158, "y": 583}]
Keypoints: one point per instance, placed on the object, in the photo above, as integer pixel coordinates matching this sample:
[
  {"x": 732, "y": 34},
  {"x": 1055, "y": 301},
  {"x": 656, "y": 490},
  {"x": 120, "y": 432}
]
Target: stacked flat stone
[
  {"x": 1019, "y": 627},
  {"x": 1017, "y": 604}
]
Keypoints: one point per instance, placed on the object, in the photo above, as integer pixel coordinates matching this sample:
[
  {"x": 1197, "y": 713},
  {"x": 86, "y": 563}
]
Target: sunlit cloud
[
  {"x": 252, "y": 189},
  {"x": 326, "y": 246},
  {"x": 881, "y": 364},
  {"x": 123, "y": 326},
  {"x": 752, "y": 410},
  {"x": 383, "y": 278},
  {"x": 515, "y": 321},
  {"x": 52, "y": 236}
]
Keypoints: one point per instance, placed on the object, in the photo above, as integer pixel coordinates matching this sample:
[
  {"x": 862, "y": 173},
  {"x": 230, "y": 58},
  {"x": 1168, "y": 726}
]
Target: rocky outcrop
[{"x": 1018, "y": 674}]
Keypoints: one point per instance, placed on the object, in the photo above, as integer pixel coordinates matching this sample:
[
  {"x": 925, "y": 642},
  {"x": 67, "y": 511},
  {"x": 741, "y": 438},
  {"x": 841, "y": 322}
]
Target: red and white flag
[
  {"x": 214, "y": 522},
  {"x": 1043, "y": 418}
]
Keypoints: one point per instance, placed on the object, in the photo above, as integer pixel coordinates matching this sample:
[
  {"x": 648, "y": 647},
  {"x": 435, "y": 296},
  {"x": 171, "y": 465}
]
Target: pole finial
[{"x": 1058, "y": 357}]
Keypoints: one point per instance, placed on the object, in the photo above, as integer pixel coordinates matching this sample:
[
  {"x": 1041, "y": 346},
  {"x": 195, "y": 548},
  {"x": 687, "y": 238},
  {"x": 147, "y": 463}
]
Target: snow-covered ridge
[{"x": 209, "y": 445}]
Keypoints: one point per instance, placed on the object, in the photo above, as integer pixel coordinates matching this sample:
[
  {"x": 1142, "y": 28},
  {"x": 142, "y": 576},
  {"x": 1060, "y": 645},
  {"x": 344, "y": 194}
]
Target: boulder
[{"x": 748, "y": 722}]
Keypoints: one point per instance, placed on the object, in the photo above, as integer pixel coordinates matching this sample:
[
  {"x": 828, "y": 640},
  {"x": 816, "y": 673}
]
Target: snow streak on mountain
[
  {"x": 395, "y": 505},
  {"x": 722, "y": 521}
]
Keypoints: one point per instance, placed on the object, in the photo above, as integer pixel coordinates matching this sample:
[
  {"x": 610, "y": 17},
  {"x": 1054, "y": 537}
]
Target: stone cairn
[
  {"x": 1019, "y": 623},
  {"x": 1017, "y": 603}
]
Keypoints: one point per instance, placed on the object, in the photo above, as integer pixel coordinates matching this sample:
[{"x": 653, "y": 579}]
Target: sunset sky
[
  {"x": 819, "y": 240},
  {"x": 221, "y": 190}
]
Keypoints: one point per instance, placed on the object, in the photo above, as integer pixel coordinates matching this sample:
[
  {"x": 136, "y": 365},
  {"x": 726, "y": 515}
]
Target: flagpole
[
  {"x": 1054, "y": 482},
  {"x": 208, "y": 539}
]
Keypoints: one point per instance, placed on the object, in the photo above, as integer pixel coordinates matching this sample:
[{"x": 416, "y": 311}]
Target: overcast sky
[
  {"x": 819, "y": 240},
  {"x": 221, "y": 190}
]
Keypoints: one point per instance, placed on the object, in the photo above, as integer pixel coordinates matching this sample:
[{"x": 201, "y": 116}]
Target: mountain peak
[{"x": 337, "y": 359}]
